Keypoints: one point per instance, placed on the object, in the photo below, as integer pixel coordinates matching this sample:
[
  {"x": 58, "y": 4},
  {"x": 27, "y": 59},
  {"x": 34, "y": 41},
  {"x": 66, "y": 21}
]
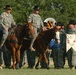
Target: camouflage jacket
[
  {"x": 6, "y": 20},
  {"x": 36, "y": 20}
]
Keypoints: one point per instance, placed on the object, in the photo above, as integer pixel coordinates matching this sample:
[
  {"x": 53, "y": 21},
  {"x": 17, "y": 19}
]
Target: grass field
[
  {"x": 26, "y": 71},
  {"x": 51, "y": 71}
]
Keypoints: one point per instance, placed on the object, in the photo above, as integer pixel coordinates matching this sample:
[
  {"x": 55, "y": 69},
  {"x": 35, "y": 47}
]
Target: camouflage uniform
[
  {"x": 37, "y": 25},
  {"x": 37, "y": 22},
  {"x": 6, "y": 20}
]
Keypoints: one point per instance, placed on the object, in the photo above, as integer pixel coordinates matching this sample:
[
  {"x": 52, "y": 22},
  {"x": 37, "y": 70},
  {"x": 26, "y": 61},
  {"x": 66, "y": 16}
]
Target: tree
[{"x": 61, "y": 10}]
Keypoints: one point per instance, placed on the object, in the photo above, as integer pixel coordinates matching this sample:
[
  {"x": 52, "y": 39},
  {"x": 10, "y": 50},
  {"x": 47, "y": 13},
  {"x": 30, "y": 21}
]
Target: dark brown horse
[
  {"x": 14, "y": 42},
  {"x": 41, "y": 44}
]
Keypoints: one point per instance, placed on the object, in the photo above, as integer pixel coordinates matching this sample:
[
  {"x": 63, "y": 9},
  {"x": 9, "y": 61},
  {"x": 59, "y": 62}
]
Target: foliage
[{"x": 61, "y": 10}]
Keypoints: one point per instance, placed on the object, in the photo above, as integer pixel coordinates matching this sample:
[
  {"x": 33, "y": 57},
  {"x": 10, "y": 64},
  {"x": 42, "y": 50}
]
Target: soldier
[
  {"x": 71, "y": 54},
  {"x": 6, "y": 23},
  {"x": 35, "y": 24}
]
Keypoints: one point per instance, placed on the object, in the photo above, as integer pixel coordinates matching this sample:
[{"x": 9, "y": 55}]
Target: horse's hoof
[
  {"x": 48, "y": 67},
  {"x": 36, "y": 68},
  {"x": 14, "y": 68},
  {"x": 17, "y": 68}
]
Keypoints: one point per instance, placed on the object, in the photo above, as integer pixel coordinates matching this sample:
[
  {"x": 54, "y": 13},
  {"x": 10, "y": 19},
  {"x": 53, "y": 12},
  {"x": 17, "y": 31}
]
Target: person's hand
[
  {"x": 58, "y": 41},
  {"x": 44, "y": 28},
  {"x": 6, "y": 29},
  {"x": 14, "y": 26}
]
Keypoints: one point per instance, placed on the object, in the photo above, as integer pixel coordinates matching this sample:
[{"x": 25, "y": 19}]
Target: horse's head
[
  {"x": 21, "y": 31},
  {"x": 52, "y": 33}
]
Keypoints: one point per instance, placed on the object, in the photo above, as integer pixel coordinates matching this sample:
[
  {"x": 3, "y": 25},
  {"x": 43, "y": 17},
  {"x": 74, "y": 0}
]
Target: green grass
[{"x": 26, "y": 71}]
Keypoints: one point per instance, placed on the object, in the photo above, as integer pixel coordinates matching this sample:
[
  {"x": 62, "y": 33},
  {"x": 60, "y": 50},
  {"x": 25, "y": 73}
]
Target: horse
[
  {"x": 41, "y": 44},
  {"x": 14, "y": 41}
]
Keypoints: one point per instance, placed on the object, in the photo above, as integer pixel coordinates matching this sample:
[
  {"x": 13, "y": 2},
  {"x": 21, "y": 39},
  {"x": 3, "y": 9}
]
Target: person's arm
[
  {"x": 41, "y": 22},
  {"x": 2, "y": 22},
  {"x": 42, "y": 25},
  {"x": 30, "y": 23}
]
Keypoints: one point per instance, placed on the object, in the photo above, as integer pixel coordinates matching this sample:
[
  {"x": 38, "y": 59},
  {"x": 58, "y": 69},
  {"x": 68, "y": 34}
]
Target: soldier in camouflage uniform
[
  {"x": 35, "y": 24},
  {"x": 6, "y": 23}
]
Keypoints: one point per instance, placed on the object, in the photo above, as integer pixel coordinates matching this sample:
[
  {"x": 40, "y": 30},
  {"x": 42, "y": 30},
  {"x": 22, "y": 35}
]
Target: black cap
[
  {"x": 36, "y": 7},
  {"x": 59, "y": 24},
  {"x": 72, "y": 22},
  {"x": 8, "y": 7}
]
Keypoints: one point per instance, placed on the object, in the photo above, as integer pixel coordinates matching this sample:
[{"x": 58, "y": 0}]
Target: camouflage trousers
[
  {"x": 1, "y": 57},
  {"x": 5, "y": 34}
]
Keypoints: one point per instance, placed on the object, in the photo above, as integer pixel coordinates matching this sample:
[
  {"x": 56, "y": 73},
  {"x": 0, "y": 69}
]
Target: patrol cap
[
  {"x": 59, "y": 24},
  {"x": 36, "y": 7},
  {"x": 72, "y": 22},
  {"x": 8, "y": 7}
]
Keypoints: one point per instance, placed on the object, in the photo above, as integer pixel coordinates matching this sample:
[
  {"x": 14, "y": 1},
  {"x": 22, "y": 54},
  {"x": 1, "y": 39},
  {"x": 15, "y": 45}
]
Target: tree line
[{"x": 60, "y": 10}]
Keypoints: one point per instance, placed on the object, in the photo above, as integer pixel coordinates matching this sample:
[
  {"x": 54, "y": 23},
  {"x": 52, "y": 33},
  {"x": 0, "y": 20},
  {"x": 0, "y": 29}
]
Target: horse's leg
[
  {"x": 18, "y": 56},
  {"x": 17, "y": 59},
  {"x": 46, "y": 60},
  {"x": 13, "y": 57},
  {"x": 39, "y": 60}
]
